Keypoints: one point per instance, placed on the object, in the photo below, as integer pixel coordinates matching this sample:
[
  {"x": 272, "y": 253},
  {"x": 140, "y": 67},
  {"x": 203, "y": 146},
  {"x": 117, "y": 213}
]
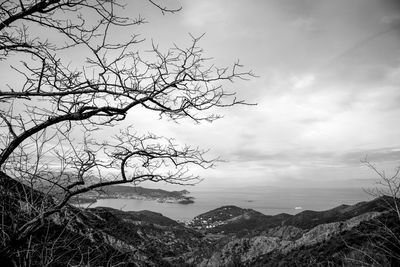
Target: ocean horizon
[{"x": 269, "y": 201}]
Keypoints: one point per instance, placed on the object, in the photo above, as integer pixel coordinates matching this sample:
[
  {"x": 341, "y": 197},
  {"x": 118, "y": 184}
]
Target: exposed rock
[
  {"x": 288, "y": 232},
  {"x": 323, "y": 232},
  {"x": 283, "y": 239}
]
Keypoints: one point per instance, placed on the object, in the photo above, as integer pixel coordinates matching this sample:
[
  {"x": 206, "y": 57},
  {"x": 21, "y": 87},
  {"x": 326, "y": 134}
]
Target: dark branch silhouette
[{"x": 50, "y": 114}]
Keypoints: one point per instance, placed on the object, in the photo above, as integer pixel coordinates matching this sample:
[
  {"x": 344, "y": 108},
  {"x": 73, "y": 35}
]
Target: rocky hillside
[
  {"x": 88, "y": 237},
  {"x": 281, "y": 240},
  {"x": 365, "y": 234},
  {"x": 250, "y": 238}
]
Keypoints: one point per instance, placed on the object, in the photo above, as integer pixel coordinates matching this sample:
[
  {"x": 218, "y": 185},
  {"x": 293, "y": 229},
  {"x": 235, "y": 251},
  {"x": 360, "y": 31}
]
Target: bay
[{"x": 267, "y": 200}]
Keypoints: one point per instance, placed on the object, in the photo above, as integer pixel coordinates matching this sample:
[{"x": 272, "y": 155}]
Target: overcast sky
[
  {"x": 328, "y": 91},
  {"x": 328, "y": 94}
]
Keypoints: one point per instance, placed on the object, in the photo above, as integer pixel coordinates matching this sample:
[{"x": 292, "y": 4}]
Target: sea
[{"x": 267, "y": 200}]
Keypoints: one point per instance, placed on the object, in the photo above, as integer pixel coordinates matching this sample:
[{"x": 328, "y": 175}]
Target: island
[{"x": 135, "y": 192}]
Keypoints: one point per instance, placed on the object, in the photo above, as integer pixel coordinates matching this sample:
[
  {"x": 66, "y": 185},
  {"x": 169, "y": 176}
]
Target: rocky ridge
[{"x": 281, "y": 239}]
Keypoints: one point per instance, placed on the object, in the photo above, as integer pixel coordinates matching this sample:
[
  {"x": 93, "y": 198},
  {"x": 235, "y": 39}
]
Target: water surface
[{"x": 269, "y": 200}]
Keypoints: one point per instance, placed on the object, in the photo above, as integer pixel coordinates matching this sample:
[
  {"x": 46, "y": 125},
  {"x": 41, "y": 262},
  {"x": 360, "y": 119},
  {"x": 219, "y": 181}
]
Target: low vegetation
[{"x": 359, "y": 235}]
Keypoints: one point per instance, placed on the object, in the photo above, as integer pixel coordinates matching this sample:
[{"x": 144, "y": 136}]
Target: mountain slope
[
  {"x": 249, "y": 235},
  {"x": 370, "y": 243},
  {"x": 366, "y": 233},
  {"x": 89, "y": 237}
]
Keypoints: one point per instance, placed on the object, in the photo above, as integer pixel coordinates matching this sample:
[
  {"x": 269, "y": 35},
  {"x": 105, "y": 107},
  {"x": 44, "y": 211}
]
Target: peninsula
[{"x": 137, "y": 192}]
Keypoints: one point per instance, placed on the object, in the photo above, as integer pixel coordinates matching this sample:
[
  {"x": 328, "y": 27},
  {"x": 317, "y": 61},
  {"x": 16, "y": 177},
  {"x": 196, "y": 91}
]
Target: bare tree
[
  {"x": 381, "y": 245},
  {"x": 56, "y": 102},
  {"x": 388, "y": 186}
]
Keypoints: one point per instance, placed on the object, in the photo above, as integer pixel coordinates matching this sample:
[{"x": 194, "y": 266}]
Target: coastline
[
  {"x": 266, "y": 201},
  {"x": 185, "y": 200}
]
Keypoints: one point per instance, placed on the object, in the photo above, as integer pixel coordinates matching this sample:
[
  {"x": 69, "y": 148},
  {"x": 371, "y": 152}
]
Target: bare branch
[{"x": 50, "y": 109}]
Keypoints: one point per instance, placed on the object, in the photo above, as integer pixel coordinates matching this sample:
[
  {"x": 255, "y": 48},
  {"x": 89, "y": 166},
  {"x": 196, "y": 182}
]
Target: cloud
[
  {"x": 201, "y": 13},
  {"x": 318, "y": 159},
  {"x": 391, "y": 154},
  {"x": 308, "y": 25},
  {"x": 303, "y": 81},
  {"x": 392, "y": 20},
  {"x": 328, "y": 92}
]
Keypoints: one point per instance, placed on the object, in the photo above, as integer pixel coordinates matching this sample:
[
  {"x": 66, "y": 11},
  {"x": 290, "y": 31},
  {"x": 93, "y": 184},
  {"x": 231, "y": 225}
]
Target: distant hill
[
  {"x": 308, "y": 219},
  {"x": 138, "y": 190},
  {"x": 135, "y": 192},
  {"x": 232, "y": 219}
]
